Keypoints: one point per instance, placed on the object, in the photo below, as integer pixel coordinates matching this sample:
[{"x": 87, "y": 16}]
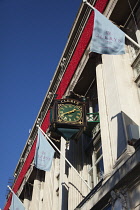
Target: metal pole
[
  {"x": 128, "y": 37},
  {"x": 14, "y": 194},
  {"x": 10, "y": 189},
  {"x": 63, "y": 156}
]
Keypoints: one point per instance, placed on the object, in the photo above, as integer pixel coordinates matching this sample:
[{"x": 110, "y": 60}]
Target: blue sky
[{"x": 33, "y": 34}]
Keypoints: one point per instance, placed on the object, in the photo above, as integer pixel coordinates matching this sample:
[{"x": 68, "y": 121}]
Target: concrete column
[
  {"x": 56, "y": 184},
  {"x": 63, "y": 190},
  {"x": 50, "y": 195},
  {"x": 77, "y": 188},
  {"x": 26, "y": 203},
  {"x": 114, "y": 108},
  {"x": 85, "y": 164},
  {"x": 48, "y": 189},
  {"x": 36, "y": 192},
  {"x": 27, "y": 196},
  {"x": 104, "y": 121},
  {"x": 41, "y": 195},
  {"x": 120, "y": 97}
]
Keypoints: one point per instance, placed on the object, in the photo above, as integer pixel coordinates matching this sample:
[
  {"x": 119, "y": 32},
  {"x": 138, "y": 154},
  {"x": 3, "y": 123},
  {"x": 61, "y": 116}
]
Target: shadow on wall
[
  {"x": 122, "y": 133},
  {"x": 121, "y": 136},
  {"x": 132, "y": 131}
]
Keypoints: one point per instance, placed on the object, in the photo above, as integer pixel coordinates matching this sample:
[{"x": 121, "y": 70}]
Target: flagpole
[
  {"x": 128, "y": 37},
  {"x": 19, "y": 201},
  {"x": 10, "y": 189},
  {"x": 63, "y": 156}
]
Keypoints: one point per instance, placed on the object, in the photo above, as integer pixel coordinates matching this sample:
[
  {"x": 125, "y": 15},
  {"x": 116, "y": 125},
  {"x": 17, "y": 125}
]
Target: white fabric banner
[{"x": 106, "y": 38}]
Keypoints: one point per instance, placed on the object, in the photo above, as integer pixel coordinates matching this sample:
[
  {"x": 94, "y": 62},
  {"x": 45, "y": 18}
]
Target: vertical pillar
[
  {"x": 36, "y": 191},
  {"x": 27, "y": 196},
  {"x": 56, "y": 184},
  {"x": 117, "y": 98},
  {"x": 41, "y": 195},
  {"x": 26, "y": 203},
  {"x": 50, "y": 197},
  {"x": 77, "y": 188},
  {"x": 63, "y": 190},
  {"x": 104, "y": 121},
  {"x": 84, "y": 159},
  {"x": 47, "y": 193}
]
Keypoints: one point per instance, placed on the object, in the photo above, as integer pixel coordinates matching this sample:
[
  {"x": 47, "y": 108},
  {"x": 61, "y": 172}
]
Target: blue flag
[
  {"x": 106, "y": 38},
  {"x": 16, "y": 204},
  {"x": 44, "y": 153}
]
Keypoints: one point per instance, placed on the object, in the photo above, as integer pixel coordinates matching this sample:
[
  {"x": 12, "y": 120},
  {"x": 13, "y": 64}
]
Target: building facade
[{"x": 107, "y": 154}]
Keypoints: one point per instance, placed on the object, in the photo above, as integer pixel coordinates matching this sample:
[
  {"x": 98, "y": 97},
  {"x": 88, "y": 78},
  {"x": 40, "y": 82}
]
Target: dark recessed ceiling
[
  {"x": 86, "y": 78},
  {"x": 122, "y": 11}
]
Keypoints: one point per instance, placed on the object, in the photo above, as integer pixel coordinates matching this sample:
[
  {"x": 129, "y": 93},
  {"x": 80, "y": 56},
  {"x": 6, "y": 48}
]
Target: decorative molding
[
  {"x": 123, "y": 158},
  {"x": 107, "y": 176},
  {"x": 119, "y": 197}
]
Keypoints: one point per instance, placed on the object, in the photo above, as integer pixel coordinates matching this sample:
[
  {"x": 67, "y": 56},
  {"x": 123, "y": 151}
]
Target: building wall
[{"x": 102, "y": 155}]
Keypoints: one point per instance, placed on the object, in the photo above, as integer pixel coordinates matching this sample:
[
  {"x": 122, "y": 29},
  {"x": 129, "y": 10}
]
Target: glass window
[
  {"x": 98, "y": 159},
  {"x": 133, "y": 30},
  {"x": 96, "y": 170}
]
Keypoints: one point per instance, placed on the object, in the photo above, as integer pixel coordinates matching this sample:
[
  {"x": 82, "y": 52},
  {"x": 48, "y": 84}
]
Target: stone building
[{"x": 107, "y": 154}]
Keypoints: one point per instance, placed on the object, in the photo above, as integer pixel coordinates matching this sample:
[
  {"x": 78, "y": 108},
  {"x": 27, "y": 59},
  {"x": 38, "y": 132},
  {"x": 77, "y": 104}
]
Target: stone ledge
[{"x": 123, "y": 176}]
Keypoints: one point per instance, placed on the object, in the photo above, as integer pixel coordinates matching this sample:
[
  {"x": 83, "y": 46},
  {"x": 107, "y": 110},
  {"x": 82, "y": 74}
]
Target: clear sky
[{"x": 33, "y": 34}]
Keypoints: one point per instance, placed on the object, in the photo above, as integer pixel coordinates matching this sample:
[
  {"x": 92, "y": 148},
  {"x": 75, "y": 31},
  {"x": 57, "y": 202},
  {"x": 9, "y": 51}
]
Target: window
[
  {"x": 136, "y": 66},
  {"x": 96, "y": 170},
  {"x": 98, "y": 159},
  {"x": 136, "y": 69},
  {"x": 133, "y": 30},
  {"x": 133, "y": 27}
]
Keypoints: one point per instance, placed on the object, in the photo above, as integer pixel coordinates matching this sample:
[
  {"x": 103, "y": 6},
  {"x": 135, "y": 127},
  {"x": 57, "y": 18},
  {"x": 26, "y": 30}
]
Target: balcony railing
[{"x": 93, "y": 117}]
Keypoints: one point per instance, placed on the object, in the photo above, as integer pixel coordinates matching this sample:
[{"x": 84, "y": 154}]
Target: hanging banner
[{"x": 106, "y": 38}]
